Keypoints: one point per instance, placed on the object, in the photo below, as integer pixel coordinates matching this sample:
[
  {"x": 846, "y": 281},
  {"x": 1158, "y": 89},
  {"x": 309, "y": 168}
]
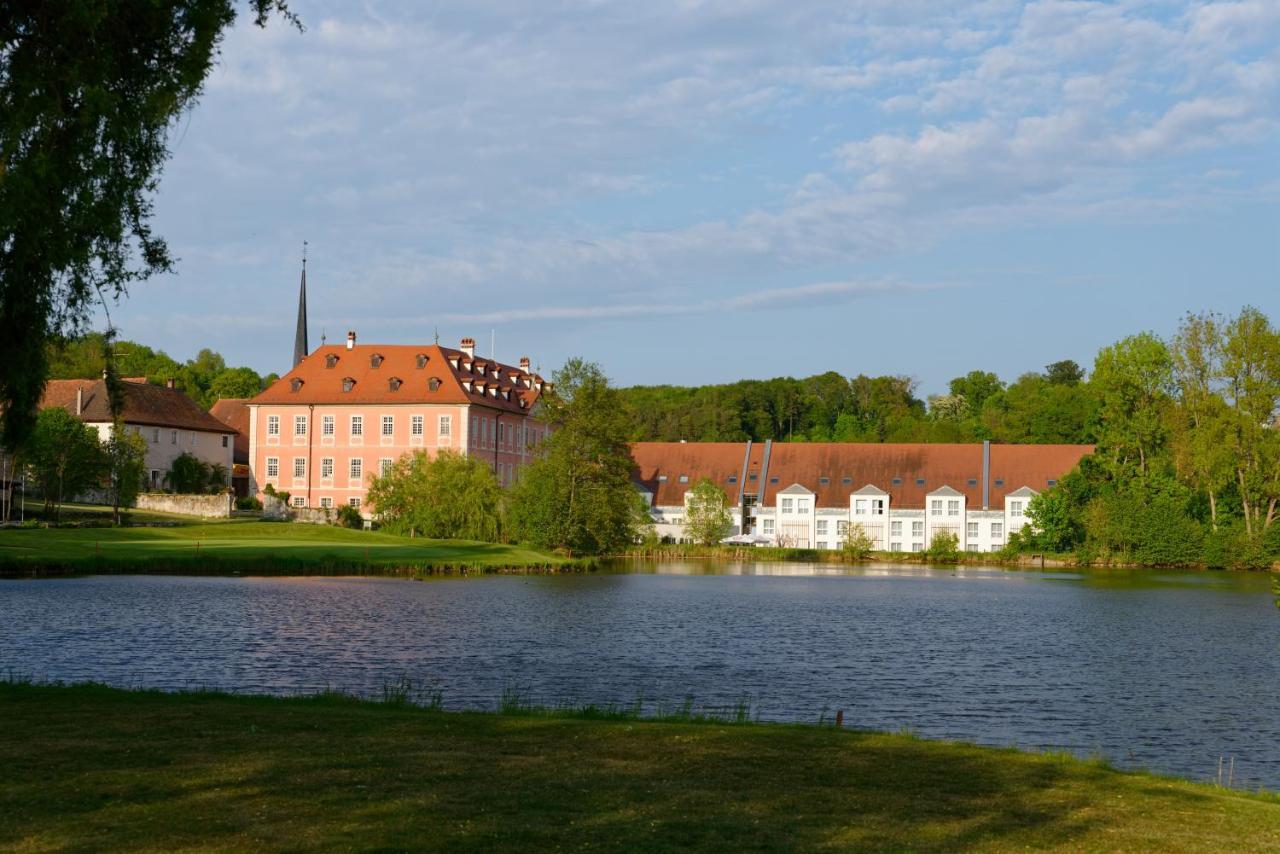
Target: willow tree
[
  {"x": 449, "y": 496},
  {"x": 89, "y": 91}
]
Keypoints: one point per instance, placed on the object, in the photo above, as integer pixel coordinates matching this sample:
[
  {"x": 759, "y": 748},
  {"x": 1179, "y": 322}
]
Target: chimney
[
  {"x": 79, "y": 399},
  {"x": 351, "y": 340},
  {"x": 469, "y": 347},
  {"x": 524, "y": 364},
  {"x": 169, "y": 383}
]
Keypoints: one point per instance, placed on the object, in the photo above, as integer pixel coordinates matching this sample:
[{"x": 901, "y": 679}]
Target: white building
[{"x": 902, "y": 496}]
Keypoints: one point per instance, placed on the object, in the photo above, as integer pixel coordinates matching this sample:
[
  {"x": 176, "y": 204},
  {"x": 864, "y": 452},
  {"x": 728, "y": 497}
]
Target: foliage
[
  {"x": 707, "y": 517},
  {"x": 856, "y": 543},
  {"x": 577, "y": 494},
  {"x": 944, "y": 547},
  {"x": 248, "y": 502},
  {"x": 89, "y": 94},
  {"x": 65, "y": 457},
  {"x": 448, "y": 496},
  {"x": 1052, "y": 528},
  {"x": 348, "y": 517},
  {"x": 189, "y": 475},
  {"x": 205, "y": 378},
  {"x": 125, "y": 457}
]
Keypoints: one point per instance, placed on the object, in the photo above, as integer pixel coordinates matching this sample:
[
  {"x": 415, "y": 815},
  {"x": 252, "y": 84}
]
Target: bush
[
  {"x": 349, "y": 517},
  {"x": 248, "y": 503},
  {"x": 944, "y": 548}
]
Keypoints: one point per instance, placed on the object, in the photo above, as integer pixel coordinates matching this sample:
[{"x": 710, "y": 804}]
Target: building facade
[
  {"x": 902, "y": 496},
  {"x": 168, "y": 421},
  {"x": 346, "y": 413}
]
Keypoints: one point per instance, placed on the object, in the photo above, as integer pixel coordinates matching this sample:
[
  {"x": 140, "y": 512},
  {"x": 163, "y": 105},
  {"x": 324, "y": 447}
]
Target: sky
[{"x": 691, "y": 192}]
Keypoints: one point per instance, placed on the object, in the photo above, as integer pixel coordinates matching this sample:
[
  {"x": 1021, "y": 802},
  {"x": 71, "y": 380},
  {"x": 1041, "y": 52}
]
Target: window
[
  {"x": 824, "y": 480},
  {"x": 971, "y": 547},
  {"x": 326, "y": 468},
  {"x": 422, "y": 361},
  {"x": 356, "y": 470},
  {"x": 917, "y": 547},
  {"x": 326, "y": 502},
  {"x": 330, "y": 361},
  {"x": 394, "y": 384},
  {"x": 971, "y": 530},
  {"x": 348, "y": 383},
  {"x": 895, "y": 547},
  {"x": 842, "y": 527},
  {"x": 877, "y": 507},
  {"x": 919, "y": 481},
  {"x": 446, "y": 425},
  {"x": 299, "y": 467},
  {"x": 224, "y": 441},
  {"x": 917, "y": 529},
  {"x": 295, "y": 385},
  {"x": 1051, "y": 482},
  {"x": 822, "y": 527},
  {"x": 973, "y": 481},
  {"x": 684, "y": 478},
  {"x": 326, "y": 425},
  {"x": 860, "y": 506},
  {"x": 1015, "y": 509},
  {"x": 847, "y": 481},
  {"x": 953, "y": 507},
  {"x": 388, "y": 425},
  {"x": 433, "y": 384},
  {"x": 384, "y": 466},
  {"x": 299, "y": 425},
  {"x": 753, "y": 476},
  {"x": 357, "y": 425},
  {"x": 273, "y": 466},
  {"x": 662, "y": 478},
  {"x": 773, "y": 480},
  {"x": 895, "y": 528},
  {"x": 999, "y": 481},
  {"x": 766, "y": 526},
  {"x": 173, "y": 437},
  {"x": 299, "y": 501},
  {"x": 353, "y": 502},
  {"x": 997, "y": 530},
  {"x": 375, "y": 361},
  {"x": 802, "y": 505},
  {"x": 415, "y": 425},
  {"x": 935, "y": 507},
  {"x": 733, "y": 478},
  {"x": 897, "y": 481},
  {"x": 787, "y": 505}
]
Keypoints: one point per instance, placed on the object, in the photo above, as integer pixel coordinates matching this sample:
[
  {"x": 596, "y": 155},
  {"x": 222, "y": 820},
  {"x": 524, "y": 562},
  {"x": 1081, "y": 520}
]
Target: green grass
[
  {"x": 89, "y": 768},
  {"x": 250, "y": 547}
]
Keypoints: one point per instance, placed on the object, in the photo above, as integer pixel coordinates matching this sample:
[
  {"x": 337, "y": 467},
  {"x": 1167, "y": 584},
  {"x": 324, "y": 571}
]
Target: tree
[
  {"x": 944, "y": 547},
  {"x": 234, "y": 383},
  {"x": 449, "y": 496},
  {"x": 125, "y": 462},
  {"x": 707, "y": 517},
  {"x": 856, "y": 543},
  {"x": 976, "y": 387},
  {"x": 1052, "y": 527},
  {"x": 578, "y": 495},
  {"x": 1065, "y": 372},
  {"x": 88, "y": 94},
  {"x": 187, "y": 475},
  {"x": 1133, "y": 379},
  {"x": 65, "y": 457},
  {"x": 1251, "y": 388}
]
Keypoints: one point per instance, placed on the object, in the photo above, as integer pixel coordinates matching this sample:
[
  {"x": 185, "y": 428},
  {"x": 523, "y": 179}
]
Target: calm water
[{"x": 1163, "y": 670}]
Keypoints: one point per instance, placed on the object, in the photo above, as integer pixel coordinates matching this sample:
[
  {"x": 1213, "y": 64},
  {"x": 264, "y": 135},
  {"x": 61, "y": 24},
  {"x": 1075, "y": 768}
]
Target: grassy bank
[
  {"x": 260, "y": 548},
  {"x": 89, "y": 768}
]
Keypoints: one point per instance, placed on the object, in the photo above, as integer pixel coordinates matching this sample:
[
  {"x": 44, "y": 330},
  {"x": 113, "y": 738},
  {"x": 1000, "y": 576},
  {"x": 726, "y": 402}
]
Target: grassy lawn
[
  {"x": 91, "y": 768},
  {"x": 257, "y": 547}
]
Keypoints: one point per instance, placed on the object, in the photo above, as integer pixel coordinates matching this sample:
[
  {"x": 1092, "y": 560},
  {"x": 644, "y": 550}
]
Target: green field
[
  {"x": 92, "y": 768},
  {"x": 248, "y": 547}
]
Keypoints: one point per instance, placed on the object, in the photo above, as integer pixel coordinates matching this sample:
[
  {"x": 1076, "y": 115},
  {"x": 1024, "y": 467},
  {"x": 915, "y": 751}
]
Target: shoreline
[{"x": 102, "y": 767}]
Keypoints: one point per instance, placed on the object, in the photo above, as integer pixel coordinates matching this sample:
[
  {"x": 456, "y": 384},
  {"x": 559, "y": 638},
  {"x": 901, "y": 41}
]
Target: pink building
[{"x": 345, "y": 413}]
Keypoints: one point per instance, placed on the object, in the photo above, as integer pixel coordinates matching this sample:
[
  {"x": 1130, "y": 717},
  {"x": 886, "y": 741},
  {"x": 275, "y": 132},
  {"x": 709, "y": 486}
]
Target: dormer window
[
  {"x": 331, "y": 361},
  {"x": 493, "y": 391},
  {"x": 422, "y": 361},
  {"x": 433, "y": 384},
  {"x": 376, "y": 360},
  {"x": 394, "y": 384},
  {"x": 454, "y": 362},
  {"x": 466, "y": 384},
  {"x": 348, "y": 383},
  {"x": 295, "y": 385}
]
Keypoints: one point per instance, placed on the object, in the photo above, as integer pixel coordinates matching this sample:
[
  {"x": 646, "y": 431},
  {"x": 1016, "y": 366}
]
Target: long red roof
[
  {"x": 908, "y": 472},
  {"x": 144, "y": 403}
]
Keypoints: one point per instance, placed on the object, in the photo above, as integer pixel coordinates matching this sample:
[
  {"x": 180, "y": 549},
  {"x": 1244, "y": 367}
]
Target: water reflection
[{"x": 1167, "y": 670}]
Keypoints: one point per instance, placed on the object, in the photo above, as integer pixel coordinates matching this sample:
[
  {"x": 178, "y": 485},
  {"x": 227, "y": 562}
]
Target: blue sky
[{"x": 694, "y": 192}]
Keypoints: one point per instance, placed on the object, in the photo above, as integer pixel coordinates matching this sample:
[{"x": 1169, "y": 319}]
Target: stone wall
[
  {"x": 275, "y": 510},
  {"x": 208, "y": 506}
]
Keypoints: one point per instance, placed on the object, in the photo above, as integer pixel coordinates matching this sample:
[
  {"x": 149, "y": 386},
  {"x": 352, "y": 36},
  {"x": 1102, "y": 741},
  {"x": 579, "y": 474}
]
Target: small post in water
[{"x": 839, "y": 718}]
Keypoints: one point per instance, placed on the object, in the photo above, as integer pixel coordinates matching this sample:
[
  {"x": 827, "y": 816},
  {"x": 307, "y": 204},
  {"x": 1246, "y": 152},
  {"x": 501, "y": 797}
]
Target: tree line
[{"x": 1055, "y": 405}]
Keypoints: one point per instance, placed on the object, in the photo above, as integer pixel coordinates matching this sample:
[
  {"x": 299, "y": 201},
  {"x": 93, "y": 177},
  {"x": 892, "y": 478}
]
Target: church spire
[{"x": 300, "y": 348}]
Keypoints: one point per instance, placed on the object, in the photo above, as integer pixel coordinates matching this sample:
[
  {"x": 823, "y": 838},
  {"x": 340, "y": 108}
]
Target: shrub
[
  {"x": 349, "y": 517},
  {"x": 857, "y": 544},
  {"x": 248, "y": 503},
  {"x": 944, "y": 548}
]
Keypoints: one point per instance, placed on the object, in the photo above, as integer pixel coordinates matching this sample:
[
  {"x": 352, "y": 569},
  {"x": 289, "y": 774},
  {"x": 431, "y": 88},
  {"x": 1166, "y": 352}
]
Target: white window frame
[
  {"x": 953, "y": 507},
  {"x": 299, "y": 426},
  {"x": 299, "y": 468},
  {"x": 935, "y": 506},
  {"x": 273, "y": 425},
  {"x": 355, "y": 469},
  {"x": 388, "y": 426},
  {"x": 273, "y": 466},
  {"x": 326, "y": 468}
]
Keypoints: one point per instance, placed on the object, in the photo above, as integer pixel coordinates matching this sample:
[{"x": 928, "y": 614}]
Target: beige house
[{"x": 168, "y": 421}]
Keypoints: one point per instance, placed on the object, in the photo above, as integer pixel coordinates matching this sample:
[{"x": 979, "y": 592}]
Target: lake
[{"x": 1163, "y": 670}]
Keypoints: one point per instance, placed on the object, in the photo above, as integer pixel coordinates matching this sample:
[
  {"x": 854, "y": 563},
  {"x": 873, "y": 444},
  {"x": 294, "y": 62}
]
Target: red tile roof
[
  {"x": 470, "y": 382},
  {"x": 908, "y": 472},
  {"x": 234, "y": 412},
  {"x": 152, "y": 405}
]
